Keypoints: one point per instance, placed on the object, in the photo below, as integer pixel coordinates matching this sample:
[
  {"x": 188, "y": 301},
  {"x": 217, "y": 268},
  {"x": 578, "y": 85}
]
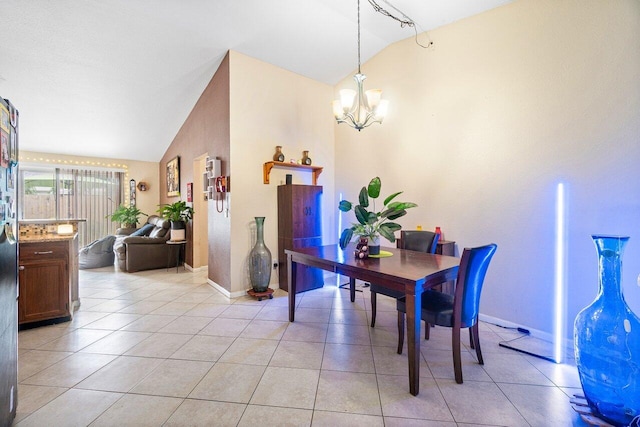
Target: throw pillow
[{"x": 145, "y": 230}]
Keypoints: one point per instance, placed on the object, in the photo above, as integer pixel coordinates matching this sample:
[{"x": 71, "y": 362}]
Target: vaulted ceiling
[{"x": 117, "y": 78}]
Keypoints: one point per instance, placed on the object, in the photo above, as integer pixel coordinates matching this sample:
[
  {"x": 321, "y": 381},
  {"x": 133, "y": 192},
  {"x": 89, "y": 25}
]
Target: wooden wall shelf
[{"x": 316, "y": 170}]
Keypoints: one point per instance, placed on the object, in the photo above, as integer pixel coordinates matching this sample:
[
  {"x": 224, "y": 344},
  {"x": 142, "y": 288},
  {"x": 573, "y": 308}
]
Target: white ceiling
[{"x": 117, "y": 78}]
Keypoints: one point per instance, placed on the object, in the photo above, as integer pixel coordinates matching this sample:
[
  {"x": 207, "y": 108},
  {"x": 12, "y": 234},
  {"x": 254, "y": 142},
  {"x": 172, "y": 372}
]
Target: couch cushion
[
  {"x": 158, "y": 232},
  {"x": 161, "y": 226},
  {"x": 145, "y": 230}
]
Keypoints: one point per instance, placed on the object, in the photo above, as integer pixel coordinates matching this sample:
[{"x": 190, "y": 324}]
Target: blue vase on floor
[
  {"x": 607, "y": 342},
  {"x": 260, "y": 260}
]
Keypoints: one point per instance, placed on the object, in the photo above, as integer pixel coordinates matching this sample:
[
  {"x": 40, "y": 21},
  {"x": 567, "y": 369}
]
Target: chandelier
[{"x": 360, "y": 109}]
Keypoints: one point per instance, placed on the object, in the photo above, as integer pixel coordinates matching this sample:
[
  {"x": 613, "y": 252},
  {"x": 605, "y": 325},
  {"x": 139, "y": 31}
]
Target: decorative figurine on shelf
[
  {"x": 362, "y": 248},
  {"x": 306, "y": 160},
  {"x": 278, "y": 157}
]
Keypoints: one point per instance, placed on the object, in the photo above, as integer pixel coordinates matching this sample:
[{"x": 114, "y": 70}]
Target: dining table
[{"x": 403, "y": 270}]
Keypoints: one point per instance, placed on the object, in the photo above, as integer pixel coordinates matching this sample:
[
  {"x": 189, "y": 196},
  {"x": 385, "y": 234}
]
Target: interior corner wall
[
  {"x": 206, "y": 130},
  {"x": 484, "y": 125},
  {"x": 271, "y": 106}
]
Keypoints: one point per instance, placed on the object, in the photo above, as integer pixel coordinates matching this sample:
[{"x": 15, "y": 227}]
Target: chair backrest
[
  {"x": 419, "y": 240},
  {"x": 473, "y": 267}
]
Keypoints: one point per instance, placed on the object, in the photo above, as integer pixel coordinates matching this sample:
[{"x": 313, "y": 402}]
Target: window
[
  {"x": 38, "y": 199},
  {"x": 57, "y": 193}
]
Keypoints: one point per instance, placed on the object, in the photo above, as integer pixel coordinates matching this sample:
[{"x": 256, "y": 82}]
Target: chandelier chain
[
  {"x": 358, "y": 36},
  {"x": 406, "y": 22},
  {"x": 403, "y": 22}
]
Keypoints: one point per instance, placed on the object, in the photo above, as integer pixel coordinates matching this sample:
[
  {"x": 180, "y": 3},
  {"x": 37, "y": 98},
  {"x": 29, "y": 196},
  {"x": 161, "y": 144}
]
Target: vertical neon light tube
[
  {"x": 339, "y": 232},
  {"x": 339, "y": 217},
  {"x": 560, "y": 275}
]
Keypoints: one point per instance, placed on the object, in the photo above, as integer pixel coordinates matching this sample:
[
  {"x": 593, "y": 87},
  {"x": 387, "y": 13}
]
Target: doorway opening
[{"x": 201, "y": 217}]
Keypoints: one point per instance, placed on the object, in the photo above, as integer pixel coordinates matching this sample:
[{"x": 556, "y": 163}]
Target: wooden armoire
[{"x": 299, "y": 226}]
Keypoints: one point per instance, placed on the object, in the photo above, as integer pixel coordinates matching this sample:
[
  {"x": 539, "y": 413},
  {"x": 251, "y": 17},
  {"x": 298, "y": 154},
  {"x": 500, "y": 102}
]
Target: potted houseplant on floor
[
  {"x": 371, "y": 224},
  {"x": 178, "y": 213},
  {"x": 128, "y": 217}
]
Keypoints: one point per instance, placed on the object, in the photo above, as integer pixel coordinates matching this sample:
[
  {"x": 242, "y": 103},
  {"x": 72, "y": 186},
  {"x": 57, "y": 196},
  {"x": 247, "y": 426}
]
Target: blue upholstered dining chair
[
  {"x": 413, "y": 240},
  {"x": 457, "y": 311}
]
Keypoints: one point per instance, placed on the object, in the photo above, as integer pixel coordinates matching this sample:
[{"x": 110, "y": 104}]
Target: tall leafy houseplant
[
  {"x": 129, "y": 216},
  {"x": 178, "y": 213},
  {"x": 372, "y": 224}
]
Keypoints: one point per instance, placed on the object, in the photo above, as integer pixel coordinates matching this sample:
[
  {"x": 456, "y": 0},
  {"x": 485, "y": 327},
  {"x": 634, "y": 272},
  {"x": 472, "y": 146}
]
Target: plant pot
[
  {"x": 374, "y": 246},
  {"x": 178, "y": 231}
]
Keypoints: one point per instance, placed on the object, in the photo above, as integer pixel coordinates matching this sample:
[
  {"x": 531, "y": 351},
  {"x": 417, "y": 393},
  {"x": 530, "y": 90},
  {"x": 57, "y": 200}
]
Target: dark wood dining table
[{"x": 407, "y": 271}]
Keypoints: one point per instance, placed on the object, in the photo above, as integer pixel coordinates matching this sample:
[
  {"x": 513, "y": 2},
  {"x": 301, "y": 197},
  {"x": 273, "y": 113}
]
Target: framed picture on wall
[
  {"x": 132, "y": 192},
  {"x": 173, "y": 177},
  {"x": 4, "y": 149}
]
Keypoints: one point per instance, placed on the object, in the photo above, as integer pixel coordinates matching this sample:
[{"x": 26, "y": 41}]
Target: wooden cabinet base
[
  {"x": 46, "y": 279},
  {"x": 299, "y": 226}
]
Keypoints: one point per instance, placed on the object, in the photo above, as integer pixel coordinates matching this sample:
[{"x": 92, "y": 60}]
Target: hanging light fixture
[{"x": 360, "y": 109}]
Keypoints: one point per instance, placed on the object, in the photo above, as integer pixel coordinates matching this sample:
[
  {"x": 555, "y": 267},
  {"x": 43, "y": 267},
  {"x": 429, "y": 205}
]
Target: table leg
[
  {"x": 413, "y": 306},
  {"x": 292, "y": 268},
  {"x": 352, "y": 289}
]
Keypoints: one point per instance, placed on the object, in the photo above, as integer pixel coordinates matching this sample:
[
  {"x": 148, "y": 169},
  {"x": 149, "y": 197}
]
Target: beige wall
[
  {"x": 206, "y": 130},
  {"x": 271, "y": 106},
  {"x": 247, "y": 109},
  {"x": 146, "y": 201},
  {"x": 483, "y": 126}
]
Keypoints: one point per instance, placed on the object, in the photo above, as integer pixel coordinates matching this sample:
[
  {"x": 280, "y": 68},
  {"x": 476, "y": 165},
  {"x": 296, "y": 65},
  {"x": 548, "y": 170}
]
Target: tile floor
[{"x": 161, "y": 348}]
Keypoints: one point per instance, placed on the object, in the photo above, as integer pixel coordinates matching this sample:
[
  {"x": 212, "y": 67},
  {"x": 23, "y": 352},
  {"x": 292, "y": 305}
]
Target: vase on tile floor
[
  {"x": 260, "y": 260},
  {"x": 607, "y": 342}
]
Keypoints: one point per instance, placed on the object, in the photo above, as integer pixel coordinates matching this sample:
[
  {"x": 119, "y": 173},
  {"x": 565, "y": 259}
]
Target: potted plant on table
[
  {"x": 128, "y": 217},
  {"x": 371, "y": 224},
  {"x": 178, "y": 213}
]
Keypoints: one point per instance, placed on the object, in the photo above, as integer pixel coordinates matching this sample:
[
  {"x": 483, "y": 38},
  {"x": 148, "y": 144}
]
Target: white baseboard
[
  {"x": 219, "y": 288},
  {"x": 545, "y": 336},
  {"x": 224, "y": 291},
  {"x": 188, "y": 267},
  {"x": 236, "y": 294}
]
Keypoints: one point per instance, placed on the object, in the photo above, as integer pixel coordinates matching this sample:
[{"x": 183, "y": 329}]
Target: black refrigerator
[{"x": 8, "y": 262}]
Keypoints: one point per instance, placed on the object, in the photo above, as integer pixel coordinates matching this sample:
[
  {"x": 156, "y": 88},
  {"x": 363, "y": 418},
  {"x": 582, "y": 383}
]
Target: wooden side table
[{"x": 181, "y": 244}]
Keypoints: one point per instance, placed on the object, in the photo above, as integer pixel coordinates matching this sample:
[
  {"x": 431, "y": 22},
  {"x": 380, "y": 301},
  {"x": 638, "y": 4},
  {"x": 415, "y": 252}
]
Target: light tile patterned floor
[{"x": 164, "y": 348}]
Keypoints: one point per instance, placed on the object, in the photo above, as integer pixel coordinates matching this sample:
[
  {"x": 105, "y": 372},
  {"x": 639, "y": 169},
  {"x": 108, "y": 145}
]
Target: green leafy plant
[
  {"x": 128, "y": 215},
  {"x": 176, "y": 212},
  {"x": 372, "y": 224}
]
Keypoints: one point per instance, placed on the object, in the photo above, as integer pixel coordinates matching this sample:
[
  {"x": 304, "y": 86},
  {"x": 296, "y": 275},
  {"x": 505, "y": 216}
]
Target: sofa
[{"x": 145, "y": 248}]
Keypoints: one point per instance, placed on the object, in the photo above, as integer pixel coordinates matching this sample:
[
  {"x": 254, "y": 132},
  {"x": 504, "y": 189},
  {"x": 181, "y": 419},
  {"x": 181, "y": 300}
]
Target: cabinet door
[
  {"x": 299, "y": 211},
  {"x": 44, "y": 292}
]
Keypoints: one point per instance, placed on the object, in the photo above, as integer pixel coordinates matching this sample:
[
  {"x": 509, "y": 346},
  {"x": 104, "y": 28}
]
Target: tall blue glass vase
[
  {"x": 607, "y": 342},
  {"x": 260, "y": 260}
]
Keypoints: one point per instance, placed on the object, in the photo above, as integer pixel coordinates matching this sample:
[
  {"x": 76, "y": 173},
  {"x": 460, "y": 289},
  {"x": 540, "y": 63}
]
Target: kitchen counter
[
  {"x": 51, "y": 221},
  {"x": 49, "y": 237}
]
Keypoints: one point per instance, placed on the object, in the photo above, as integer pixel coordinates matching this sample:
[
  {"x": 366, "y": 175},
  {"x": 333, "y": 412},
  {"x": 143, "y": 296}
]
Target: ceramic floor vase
[
  {"x": 607, "y": 342},
  {"x": 260, "y": 260}
]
